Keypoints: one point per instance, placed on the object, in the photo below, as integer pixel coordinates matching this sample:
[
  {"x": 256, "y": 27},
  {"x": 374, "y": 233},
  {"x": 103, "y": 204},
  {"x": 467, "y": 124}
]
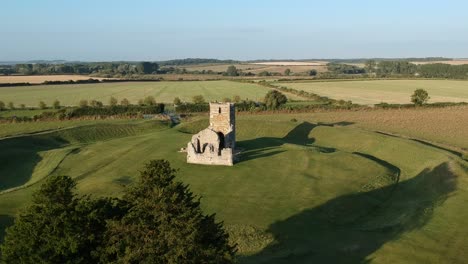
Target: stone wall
[
  {"x": 223, "y": 119},
  {"x": 215, "y": 144}
]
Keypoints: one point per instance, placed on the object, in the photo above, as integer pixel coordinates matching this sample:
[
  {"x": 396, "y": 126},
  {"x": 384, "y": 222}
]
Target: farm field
[
  {"x": 389, "y": 91},
  {"x": 429, "y": 124},
  {"x": 220, "y": 67},
  {"x": 165, "y": 92},
  {"x": 451, "y": 62},
  {"x": 15, "y": 129},
  {"x": 292, "y": 63},
  {"x": 43, "y": 78},
  {"x": 277, "y": 67},
  {"x": 301, "y": 193}
]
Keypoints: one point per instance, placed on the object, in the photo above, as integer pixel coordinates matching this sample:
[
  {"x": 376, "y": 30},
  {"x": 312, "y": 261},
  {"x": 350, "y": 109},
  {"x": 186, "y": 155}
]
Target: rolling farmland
[
  {"x": 165, "y": 92},
  {"x": 275, "y": 67},
  {"x": 389, "y": 91},
  {"x": 43, "y": 78},
  {"x": 302, "y": 191}
]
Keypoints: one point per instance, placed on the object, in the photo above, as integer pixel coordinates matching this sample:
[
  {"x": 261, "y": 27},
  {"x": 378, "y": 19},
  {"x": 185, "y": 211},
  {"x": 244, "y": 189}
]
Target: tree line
[
  {"x": 400, "y": 68},
  {"x": 378, "y": 68},
  {"x": 195, "y": 61},
  {"x": 81, "y": 68},
  {"x": 408, "y": 69},
  {"x": 84, "y": 103}
]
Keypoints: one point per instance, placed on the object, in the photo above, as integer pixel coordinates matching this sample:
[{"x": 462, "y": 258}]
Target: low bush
[
  {"x": 71, "y": 82},
  {"x": 15, "y": 84},
  {"x": 192, "y": 108}
]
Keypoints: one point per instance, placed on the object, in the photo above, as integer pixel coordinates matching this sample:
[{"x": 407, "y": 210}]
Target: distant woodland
[{"x": 336, "y": 69}]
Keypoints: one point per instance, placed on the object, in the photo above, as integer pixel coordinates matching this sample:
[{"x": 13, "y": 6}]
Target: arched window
[{"x": 219, "y": 110}]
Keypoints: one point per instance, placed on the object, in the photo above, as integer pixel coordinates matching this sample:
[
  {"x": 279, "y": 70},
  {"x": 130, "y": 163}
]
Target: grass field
[
  {"x": 165, "y": 92},
  {"x": 389, "y": 91},
  {"x": 303, "y": 192},
  {"x": 42, "y": 78},
  {"x": 15, "y": 129},
  {"x": 445, "y": 126}
]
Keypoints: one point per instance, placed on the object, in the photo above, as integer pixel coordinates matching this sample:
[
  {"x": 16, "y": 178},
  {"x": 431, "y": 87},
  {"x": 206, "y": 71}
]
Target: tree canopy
[
  {"x": 149, "y": 100},
  {"x": 165, "y": 224},
  {"x": 232, "y": 71},
  {"x": 56, "y": 104},
  {"x": 59, "y": 226},
  {"x": 198, "y": 99},
  {"x": 147, "y": 67},
  {"x": 177, "y": 101},
  {"x": 344, "y": 68},
  {"x": 274, "y": 99},
  {"x": 420, "y": 97},
  {"x": 158, "y": 220},
  {"x": 113, "y": 101}
]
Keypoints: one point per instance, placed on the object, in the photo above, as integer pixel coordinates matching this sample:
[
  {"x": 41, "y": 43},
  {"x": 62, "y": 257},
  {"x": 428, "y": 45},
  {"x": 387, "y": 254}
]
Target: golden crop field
[
  {"x": 388, "y": 91},
  {"x": 276, "y": 67}
]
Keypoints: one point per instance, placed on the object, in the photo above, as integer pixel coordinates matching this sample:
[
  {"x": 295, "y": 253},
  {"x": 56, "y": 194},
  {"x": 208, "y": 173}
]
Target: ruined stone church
[{"x": 215, "y": 145}]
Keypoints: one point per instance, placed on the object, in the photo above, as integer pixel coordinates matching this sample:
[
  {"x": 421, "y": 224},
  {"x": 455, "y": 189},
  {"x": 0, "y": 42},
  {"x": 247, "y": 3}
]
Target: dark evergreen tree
[
  {"x": 59, "y": 227},
  {"x": 165, "y": 224},
  {"x": 147, "y": 67}
]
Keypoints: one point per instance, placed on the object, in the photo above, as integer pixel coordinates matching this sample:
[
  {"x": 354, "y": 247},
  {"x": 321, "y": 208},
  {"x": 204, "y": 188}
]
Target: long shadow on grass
[
  {"x": 5, "y": 221},
  {"x": 267, "y": 146},
  {"x": 348, "y": 229},
  {"x": 19, "y": 156}
]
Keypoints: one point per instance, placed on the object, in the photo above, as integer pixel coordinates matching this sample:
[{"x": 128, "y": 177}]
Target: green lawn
[
  {"x": 301, "y": 193},
  {"x": 389, "y": 91},
  {"x": 14, "y": 129},
  {"x": 165, "y": 92}
]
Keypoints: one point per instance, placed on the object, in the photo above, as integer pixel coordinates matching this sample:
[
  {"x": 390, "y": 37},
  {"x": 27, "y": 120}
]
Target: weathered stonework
[{"x": 215, "y": 145}]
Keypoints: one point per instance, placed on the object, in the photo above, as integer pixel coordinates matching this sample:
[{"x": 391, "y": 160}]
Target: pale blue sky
[{"x": 105, "y": 30}]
